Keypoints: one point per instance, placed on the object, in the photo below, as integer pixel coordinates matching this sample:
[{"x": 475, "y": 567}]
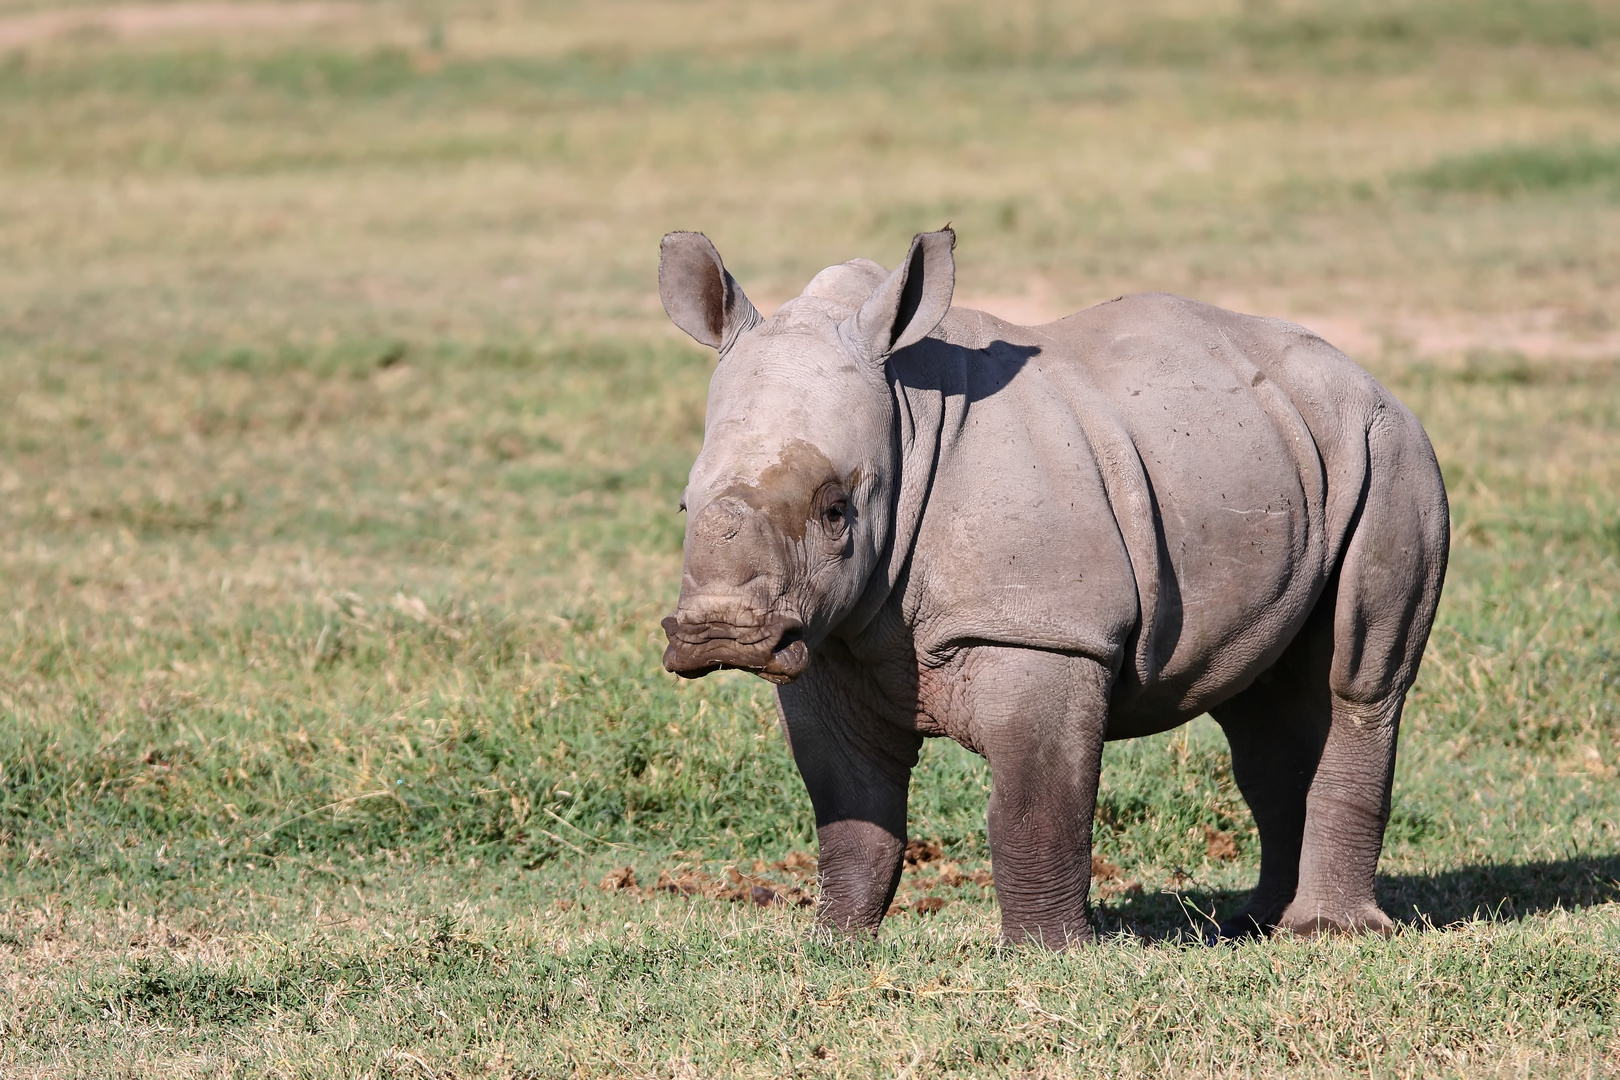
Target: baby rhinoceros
[{"x": 919, "y": 520}]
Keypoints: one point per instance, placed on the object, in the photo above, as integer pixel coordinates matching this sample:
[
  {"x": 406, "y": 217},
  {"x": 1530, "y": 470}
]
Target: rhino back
[{"x": 1155, "y": 482}]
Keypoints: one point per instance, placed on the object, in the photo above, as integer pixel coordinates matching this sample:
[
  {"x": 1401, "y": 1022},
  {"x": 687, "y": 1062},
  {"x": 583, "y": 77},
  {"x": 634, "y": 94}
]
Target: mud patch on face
[{"x": 785, "y": 491}]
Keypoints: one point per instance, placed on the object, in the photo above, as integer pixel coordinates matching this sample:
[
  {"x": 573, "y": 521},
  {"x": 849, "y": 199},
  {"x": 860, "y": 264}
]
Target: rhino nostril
[
  {"x": 789, "y": 657},
  {"x": 789, "y": 636}
]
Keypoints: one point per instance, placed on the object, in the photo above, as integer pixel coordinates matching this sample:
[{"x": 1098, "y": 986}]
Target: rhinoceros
[{"x": 919, "y": 520}]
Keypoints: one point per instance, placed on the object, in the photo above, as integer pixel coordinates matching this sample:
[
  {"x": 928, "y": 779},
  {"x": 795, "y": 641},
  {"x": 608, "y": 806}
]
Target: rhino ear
[
  {"x": 910, "y": 302},
  {"x": 699, "y": 295}
]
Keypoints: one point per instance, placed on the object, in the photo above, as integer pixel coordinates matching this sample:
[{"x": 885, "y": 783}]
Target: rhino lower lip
[{"x": 696, "y": 650}]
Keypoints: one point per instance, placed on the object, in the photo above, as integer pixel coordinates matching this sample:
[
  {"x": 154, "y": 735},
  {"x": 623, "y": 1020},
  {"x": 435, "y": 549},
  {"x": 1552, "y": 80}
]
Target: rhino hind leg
[
  {"x": 1313, "y": 739},
  {"x": 1276, "y": 729},
  {"x": 1389, "y": 583},
  {"x": 1346, "y": 811}
]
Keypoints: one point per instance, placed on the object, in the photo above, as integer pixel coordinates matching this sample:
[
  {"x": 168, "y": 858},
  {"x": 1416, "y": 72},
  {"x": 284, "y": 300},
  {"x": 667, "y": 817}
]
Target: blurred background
[
  {"x": 209, "y": 209},
  {"x": 1430, "y": 177}
]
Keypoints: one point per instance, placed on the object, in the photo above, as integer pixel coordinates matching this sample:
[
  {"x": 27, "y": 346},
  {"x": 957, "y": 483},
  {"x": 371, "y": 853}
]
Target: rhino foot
[{"x": 1310, "y": 919}]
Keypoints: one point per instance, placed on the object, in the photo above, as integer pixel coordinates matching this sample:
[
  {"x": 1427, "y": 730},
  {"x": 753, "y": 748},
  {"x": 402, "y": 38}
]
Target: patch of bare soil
[
  {"x": 927, "y": 872},
  {"x": 137, "y": 20},
  {"x": 1563, "y": 334},
  {"x": 760, "y": 885},
  {"x": 791, "y": 882},
  {"x": 929, "y": 881}
]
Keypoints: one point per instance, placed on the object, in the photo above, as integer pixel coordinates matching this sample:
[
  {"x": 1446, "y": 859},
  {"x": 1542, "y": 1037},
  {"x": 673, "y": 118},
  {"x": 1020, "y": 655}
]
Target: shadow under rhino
[{"x": 1493, "y": 892}]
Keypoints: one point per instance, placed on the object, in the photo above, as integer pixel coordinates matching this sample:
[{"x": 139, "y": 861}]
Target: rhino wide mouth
[{"x": 774, "y": 650}]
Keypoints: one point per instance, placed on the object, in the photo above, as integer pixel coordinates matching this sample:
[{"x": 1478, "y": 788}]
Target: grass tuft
[{"x": 1516, "y": 170}]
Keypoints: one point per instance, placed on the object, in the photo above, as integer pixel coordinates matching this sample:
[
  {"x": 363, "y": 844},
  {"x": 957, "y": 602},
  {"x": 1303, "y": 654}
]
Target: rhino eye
[{"x": 834, "y": 510}]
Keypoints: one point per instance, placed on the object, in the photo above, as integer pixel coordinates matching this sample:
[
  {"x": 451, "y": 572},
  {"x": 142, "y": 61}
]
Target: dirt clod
[
  {"x": 622, "y": 878},
  {"x": 920, "y": 852},
  {"x": 800, "y": 862},
  {"x": 1219, "y": 845}
]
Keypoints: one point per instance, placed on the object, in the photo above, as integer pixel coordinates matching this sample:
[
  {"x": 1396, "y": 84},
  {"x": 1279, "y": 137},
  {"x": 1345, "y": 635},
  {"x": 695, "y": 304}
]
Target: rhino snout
[{"x": 773, "y": 649}]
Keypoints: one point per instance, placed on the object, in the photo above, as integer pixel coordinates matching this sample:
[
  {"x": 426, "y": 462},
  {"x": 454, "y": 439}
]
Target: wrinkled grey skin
[{"x": 919, "y": 521}]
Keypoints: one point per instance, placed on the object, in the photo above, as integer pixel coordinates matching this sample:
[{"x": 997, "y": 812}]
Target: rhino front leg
[
  {"x": 1276, "y": 729},
  {"x": 857, "y": 768},
  {"x": 1039, "y": 718}
]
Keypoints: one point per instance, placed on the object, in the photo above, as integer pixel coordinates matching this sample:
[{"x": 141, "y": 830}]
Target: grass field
[{"x": 340, "y": 442}]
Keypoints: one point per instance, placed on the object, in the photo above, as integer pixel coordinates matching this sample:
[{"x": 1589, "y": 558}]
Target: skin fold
[{"x": 919, "y": 520}]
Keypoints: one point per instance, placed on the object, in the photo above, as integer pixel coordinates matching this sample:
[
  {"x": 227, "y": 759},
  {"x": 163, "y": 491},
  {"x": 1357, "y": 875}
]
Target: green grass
[
  {"x": 555, "y": 995},
  {"x": 340, "y": 445},
  {"x": 1520, "y": 170}
]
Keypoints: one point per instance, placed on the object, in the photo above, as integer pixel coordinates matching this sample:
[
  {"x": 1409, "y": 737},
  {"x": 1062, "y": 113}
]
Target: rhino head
[{"x": 790, "y": 503}]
